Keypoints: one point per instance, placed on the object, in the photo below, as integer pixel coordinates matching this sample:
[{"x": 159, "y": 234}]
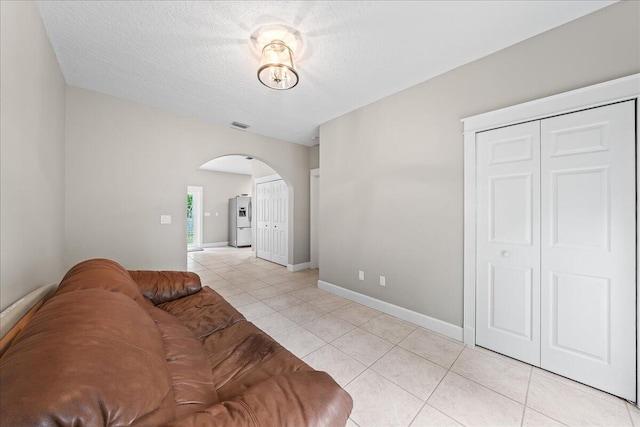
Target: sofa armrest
[
  {"x": 164, "y": 286},
  {"x": 303, "y": 398}
]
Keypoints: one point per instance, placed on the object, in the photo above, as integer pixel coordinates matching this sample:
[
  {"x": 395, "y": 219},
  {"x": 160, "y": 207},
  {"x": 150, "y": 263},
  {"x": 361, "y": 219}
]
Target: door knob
[{"x": 505, "y": 254}]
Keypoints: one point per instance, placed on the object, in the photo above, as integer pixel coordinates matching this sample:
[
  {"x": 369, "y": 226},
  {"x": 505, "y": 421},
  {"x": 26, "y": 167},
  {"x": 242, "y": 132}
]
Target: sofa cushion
[
  {"x": 88, "y": 357},
  {"x": 204, "y": 312},
  {"x": 294, "y": 399},
  {"x": 191, "y": 376},
  {"x": 101, "y": 274},
  {"x": 242, "y": 356},
  {"x": 165, "y": 286}
]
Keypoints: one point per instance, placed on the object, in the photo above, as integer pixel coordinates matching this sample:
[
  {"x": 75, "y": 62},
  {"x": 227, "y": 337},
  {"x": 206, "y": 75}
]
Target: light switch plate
[
  {"x": 207, "y": 214},
  {"x": 165, "y": 219}
]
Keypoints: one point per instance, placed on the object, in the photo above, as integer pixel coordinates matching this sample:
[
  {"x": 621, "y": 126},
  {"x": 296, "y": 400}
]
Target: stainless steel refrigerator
[{"x": 240, "y": 221}]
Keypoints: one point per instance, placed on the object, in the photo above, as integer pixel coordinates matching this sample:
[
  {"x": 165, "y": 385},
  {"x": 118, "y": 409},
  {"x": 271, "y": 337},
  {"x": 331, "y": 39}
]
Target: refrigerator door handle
[{"x": 250, "y": 213}]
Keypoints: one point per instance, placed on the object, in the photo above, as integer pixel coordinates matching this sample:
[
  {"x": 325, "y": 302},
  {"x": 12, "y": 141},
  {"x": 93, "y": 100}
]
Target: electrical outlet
[
  {"x": 382, "y": 281},
  {"x": 361, "y": 275}
]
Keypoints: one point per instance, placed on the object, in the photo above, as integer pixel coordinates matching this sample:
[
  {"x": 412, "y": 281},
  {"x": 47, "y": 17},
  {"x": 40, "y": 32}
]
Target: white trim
[
  {"x": 638, "y": 251},
  {"x": 621, "y": 89},
  {"x": 267, "y": 178},
  {"x": 469, "y": 336},
  {"x": 439, "y": 326},
  {"x": 298, "y": 267},
  {"x": 587, "y": 97},
  {"x": 314, "y": 211},
  {"x": 469, "y": 237},
  {"x": 215, "y": 244}
]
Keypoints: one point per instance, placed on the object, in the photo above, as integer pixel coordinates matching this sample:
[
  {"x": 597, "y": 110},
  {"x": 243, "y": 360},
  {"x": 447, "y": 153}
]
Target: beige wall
[
  {"x": 260, "y": 169},
  {"x": 391, "y": 200},
  {"x": 217, "y": 189},
  {"x": 126, "y": 164},
  {"x": 32, "y": 155}
]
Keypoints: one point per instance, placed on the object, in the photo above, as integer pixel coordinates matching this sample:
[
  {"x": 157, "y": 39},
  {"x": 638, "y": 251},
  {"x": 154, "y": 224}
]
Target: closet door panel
[
  {"x": 279, "y": 229},
  {"x": 508, "y": 241},
  {"x": 588, "y": 277},
  {"x": 263, "y": 212}
]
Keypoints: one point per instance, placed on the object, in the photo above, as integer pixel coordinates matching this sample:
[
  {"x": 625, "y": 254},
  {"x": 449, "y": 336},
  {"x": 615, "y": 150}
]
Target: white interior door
[
  {"x": 272, "y": 211},
  {"x": 263, "y": 213},
  {"x": 588, "y": 300},
  {"x": 508, "y": 241},
  {"x": 279, "y": 228}
]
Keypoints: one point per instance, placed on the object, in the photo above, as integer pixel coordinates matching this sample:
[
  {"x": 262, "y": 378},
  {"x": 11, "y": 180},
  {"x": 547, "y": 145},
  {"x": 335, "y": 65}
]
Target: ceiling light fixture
[{"x": 277, "y": 70}]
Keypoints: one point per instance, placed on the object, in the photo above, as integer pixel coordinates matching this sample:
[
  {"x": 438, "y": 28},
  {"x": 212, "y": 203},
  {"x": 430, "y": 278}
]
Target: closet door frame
[{"x": 623, "y": 89}]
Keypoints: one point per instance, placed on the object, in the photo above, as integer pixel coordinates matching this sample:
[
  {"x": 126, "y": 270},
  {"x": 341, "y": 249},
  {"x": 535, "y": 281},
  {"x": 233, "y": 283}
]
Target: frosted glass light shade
[{"x": 277, "y": 70}]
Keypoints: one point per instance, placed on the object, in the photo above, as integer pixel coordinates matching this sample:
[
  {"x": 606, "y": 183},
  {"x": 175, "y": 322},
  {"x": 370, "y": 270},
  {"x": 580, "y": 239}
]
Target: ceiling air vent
[{"x": 239, "y": 125}]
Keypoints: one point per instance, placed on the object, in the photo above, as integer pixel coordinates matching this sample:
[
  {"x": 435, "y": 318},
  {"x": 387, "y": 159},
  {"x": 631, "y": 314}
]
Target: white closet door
[
  {"x": 588, "y": 279},
  {"x": 279, "y": 229},
  {"x": 508, "y": 241},
  {"x": 263, "y": 212}
]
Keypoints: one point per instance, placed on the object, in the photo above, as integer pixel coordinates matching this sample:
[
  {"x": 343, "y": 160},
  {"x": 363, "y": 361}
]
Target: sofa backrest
[
  {"x": 103, "y": 274},
  {"x": 164, "y": 286},
  {"x": 91, "y": 355}
]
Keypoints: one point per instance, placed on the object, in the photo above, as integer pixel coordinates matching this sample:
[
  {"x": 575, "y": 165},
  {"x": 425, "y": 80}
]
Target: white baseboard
[
  {"x": 298, "y": 267},
  {"x": 215, "y": 244},
  {"x": 444, "y": 328}
]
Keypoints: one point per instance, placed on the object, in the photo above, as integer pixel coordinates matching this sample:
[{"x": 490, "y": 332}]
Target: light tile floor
[{"x": 398, "y": 373}]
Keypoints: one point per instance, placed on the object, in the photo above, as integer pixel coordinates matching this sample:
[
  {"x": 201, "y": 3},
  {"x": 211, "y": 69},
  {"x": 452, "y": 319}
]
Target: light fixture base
[{"x": 267, "y": 33}]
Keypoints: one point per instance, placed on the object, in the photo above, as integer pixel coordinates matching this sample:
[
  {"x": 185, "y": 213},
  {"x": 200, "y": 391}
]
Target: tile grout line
[
  {"x": 420, "y": 410},
  {"x": 393, "y": 382},
  {"x": 428, "y": 360},
  {"x": 394, "y": 345},
  {"x": 526, "y": 396},
  {"x": 498, "y": 356},
  {"x": 559, "y": 379},
  {"x": 488, "y": 388},
  {"x": 438, "y": 385},
  {"x": 367, "y": 367},
  {"x": 328, "y": 342}
]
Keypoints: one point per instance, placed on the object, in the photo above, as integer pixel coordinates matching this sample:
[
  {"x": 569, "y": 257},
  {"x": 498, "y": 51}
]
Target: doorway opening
[
  {"x": 244, "y": 204},
  {"x": 194, "y": 218}
]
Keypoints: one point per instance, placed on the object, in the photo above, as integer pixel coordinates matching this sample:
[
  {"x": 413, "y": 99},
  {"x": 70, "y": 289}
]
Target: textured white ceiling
[
  {"x": 230, "y": 164},
  {"x": 195, "y": 57}
]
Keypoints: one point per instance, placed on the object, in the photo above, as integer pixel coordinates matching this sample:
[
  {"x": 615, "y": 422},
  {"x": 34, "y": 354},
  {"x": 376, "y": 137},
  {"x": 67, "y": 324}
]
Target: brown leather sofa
[{"x": 146, "y": 348}]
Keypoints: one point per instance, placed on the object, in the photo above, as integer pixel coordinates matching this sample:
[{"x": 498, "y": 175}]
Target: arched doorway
[{"x": 243, "y": 196}]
